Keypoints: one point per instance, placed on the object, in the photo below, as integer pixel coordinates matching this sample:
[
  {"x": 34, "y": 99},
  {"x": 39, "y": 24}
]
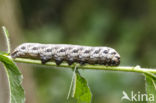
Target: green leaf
[
  {"x": 81, "y": 90},
  {"x": 14, "y": 80},
  {"x": 151, "y": 89}
]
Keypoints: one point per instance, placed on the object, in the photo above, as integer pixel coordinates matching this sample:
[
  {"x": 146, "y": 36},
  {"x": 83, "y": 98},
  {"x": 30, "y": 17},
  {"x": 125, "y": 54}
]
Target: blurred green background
[{"x": 129, "y": 26}]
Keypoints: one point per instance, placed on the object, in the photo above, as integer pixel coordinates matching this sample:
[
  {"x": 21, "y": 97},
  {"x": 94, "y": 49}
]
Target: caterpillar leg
[
  {"x": 58, "y": 62},
  {"x": 82, "y": 63},
  {"x": 44, "y": 59},
  {"x": 70, "y": 62}
]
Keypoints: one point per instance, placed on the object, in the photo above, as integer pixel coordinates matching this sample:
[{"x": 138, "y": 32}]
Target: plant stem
[
  {"x": 6, "y": 34},
  {"x": 147, "y": 71},
  {"x": 72, "y": 82}
]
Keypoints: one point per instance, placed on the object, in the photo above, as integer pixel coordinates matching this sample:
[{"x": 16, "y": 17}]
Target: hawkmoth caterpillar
[{"x": 69, "y": 53}]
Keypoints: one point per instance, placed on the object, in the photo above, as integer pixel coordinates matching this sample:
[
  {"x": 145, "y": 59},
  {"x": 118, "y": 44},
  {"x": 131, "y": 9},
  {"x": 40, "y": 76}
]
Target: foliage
[
  {"x": 13, "y": 74},
  {"x": 81, "y": 90},
  {"x": 14, "y": 80},
  {"x": 151, "y": 86}
]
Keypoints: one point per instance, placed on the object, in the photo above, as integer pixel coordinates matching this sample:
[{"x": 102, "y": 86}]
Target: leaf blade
[
  {"x": 81, "y": 90},
  {"x": 151, "y": 88},
  {"x": 14, "y": 79}
]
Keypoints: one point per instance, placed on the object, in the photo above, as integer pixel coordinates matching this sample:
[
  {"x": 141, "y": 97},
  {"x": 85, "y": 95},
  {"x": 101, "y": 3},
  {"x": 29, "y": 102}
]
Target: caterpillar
[{"x": 70, "y": 53}]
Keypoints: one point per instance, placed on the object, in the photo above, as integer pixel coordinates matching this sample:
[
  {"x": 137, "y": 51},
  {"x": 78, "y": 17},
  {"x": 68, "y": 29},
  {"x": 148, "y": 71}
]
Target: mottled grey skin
[{"x": 69, "y": 53}]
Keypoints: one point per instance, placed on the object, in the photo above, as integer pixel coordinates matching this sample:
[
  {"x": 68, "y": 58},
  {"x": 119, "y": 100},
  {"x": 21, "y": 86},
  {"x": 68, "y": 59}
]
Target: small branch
[{"x": 147, "y": 71}]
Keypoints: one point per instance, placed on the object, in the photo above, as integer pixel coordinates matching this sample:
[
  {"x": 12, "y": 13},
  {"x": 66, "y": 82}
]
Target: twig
[{"x": 147, "y": 71}]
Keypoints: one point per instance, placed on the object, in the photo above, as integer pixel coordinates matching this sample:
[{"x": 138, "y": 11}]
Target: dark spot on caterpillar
[
  {"x": 23, "y": 47},
  {"x": 105, "y": 51},
  {"x": 87, "y": 51},
  {"x": 75, "y": 51},
  {"x": 49, "y": 50},
  {"x": 113, "y": 53},
  {"x": 34, "y": 48},
  {"x": 97, "y": 51},
  {"x": 62, "y": 50}
]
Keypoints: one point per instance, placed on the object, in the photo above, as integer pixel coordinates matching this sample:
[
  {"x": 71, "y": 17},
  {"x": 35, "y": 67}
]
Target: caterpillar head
[
  {"x": 22, "y": 50},
  {"x": 18, "y": 50}
]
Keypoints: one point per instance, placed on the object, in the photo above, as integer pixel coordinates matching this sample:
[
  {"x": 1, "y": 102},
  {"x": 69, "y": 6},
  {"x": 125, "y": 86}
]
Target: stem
[
  {"x": 72, "y": 82},
  {"x": 137, "y": 69},
  {"x": 6, "y": 34}
]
